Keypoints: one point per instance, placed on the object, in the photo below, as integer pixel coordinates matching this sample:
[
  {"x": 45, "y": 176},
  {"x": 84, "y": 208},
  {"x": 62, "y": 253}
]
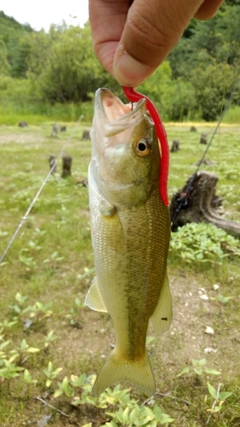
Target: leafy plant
[
  {"x": 29, "y": 313},
  {"x": 59, "y": 228},
  {"x": 51, "y": 373},
  {"x": 222, "y": 298},
  {"x": 23, "y": 351},
  {"x": 28, "y": 379},
  {"x": 198, "y": 367},
  {"x": 219, "y": 398},
  {"x": 74, "y": 314},
  {"x": 139, "y": 416},
  {"x": 64, "y": 387},
  {"x": 49, "y": 338},
  {"x": 202, "y": 243},
  {"x": 9, "y": 369},
  {"x": 116, "y": 403}
]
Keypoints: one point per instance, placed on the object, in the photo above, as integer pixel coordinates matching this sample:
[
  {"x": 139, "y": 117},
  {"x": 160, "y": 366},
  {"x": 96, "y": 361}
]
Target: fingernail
[{"x": 128, "y": 71}]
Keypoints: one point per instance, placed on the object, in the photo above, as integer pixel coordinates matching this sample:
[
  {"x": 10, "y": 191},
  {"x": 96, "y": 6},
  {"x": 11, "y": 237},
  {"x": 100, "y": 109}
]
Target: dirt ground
[
  {"x": 193, "y": 312},
  {"x": 203, "y": 327}
]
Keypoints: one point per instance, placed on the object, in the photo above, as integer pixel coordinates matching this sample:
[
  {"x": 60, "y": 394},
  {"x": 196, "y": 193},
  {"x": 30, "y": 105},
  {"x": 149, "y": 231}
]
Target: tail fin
[{"x": 115, "y": 370}]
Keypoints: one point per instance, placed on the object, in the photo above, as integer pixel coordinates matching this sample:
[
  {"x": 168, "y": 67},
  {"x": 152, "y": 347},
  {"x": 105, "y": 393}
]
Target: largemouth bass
[{"x": 130, "y": 228}]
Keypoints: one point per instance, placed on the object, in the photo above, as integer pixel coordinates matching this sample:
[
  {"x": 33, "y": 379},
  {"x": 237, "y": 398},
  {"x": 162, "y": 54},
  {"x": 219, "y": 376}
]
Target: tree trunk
[{"x": 201, "y": 204}]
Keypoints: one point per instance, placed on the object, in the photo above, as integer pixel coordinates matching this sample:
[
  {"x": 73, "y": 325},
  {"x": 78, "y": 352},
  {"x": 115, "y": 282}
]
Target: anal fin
[{"x": 94, "y": 298}]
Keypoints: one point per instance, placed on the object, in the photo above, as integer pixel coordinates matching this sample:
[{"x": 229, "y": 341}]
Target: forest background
[{"x": 55, "y": 74}]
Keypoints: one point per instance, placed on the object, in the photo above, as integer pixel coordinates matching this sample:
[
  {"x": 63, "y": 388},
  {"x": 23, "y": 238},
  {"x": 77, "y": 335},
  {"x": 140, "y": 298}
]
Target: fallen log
[{"x": 199, "y": 203}]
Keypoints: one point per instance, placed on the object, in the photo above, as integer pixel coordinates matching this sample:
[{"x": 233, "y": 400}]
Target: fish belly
[{"x": 130, "y": 250}]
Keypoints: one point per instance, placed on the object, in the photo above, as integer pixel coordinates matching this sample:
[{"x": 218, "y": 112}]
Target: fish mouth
[{"x": 116, "y": 115}]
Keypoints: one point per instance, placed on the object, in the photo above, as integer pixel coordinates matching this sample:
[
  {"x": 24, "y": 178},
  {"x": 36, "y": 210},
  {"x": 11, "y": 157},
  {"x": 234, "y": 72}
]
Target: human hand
[{"x": 132, "y": 37}]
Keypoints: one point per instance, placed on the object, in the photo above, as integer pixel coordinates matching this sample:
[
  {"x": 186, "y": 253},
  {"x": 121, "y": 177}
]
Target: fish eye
[{"x": 142, "y": 147}]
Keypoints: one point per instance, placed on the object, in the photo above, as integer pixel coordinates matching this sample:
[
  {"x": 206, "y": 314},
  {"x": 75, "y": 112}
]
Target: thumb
[{"x": 152, "y": 29}]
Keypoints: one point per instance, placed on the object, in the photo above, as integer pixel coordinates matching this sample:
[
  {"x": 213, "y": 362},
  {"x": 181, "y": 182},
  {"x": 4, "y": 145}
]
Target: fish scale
[{"x": 130, "y": 228}]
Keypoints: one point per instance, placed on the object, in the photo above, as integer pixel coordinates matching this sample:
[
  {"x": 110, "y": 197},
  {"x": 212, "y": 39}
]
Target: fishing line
[
  {"x": 25, "y": 216},
  {"x": 182, "y": 201}
]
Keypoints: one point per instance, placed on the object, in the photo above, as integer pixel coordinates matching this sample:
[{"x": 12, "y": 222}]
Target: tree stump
[
  {"x": 86, "y": 135},
  {"x": 55, "y": 130},
  {"x": 66, "y": 166},
  {"x": 53, "y": 166},
  {"x": 175, "y": 146},
  {"x": 203, "y": 139},
  {"x": 201, "y": 204},
  {"x": 23, "y": 124},
  {"x": 193, "y": 129}
]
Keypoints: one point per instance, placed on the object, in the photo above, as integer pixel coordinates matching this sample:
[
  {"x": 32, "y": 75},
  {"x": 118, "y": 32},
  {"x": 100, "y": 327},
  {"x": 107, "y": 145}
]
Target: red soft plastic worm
[{"x": 161, "y": 134}]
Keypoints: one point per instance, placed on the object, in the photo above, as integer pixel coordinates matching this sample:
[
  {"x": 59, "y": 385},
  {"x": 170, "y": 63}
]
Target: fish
[{"x": 130, "y": 229}]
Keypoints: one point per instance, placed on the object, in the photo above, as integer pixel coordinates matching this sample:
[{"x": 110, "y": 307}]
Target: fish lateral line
[{"x": 134, "y": 96}]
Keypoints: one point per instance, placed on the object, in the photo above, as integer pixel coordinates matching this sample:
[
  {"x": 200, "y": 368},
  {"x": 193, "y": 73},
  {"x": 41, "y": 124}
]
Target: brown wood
[
  {"x": 55, "y": 129},
  {"x": 22, "y": 124},
  {"x": 201, "y": 205},
  {"x": 66, "y": 166},
  {"x": 175, "y": 146},
  {"x": 193, "y": 129},
  {"x": 53, "y": 166},
  {"x": 86, "y": 135},
  {"x": 203, "y": 139}
]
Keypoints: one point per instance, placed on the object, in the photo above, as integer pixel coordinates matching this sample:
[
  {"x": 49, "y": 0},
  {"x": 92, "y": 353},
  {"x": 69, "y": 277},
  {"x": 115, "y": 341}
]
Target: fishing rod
[
  {"x": 25, "y": 216},
  {"x": 182, "y": 202}
]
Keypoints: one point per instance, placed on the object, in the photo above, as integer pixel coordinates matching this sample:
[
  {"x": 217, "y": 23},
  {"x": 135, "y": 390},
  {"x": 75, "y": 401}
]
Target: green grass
[
  {"x": 36, "y": 112},
  {"x": 223, "y": 152},
  {"x": 51, "y": 264},
  {"x": 232, "y": 115}
]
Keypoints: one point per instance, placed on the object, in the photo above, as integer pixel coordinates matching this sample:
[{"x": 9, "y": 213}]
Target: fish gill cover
[{"x": 134, "y": 96}]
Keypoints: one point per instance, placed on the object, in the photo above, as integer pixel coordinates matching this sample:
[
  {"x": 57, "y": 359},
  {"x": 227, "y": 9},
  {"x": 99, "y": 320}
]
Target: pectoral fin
[
  {"x": 94, "y": 298},
  {"x": 162, "y": 316}
]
